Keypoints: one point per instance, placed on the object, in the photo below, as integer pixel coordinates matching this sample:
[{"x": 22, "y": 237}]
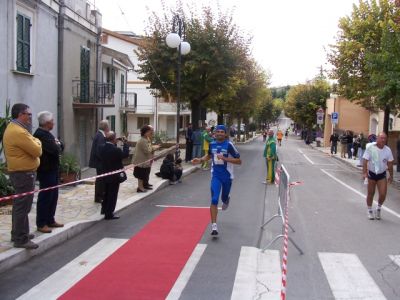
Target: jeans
[
  {"x": 334, "y": 148},
  {"x": 197, "y": 151}
]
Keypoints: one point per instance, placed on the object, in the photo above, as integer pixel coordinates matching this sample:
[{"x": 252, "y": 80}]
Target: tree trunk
[
  {"x": 386, "y": 120},
  {"x": 196, "y": 111},
  {"x": 220, "y": 118}
]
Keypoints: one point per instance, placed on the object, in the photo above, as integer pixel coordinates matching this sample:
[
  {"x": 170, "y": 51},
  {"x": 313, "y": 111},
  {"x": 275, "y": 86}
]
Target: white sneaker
[
  {"x": 378, "y": 214},
  {"x": 214, "y": 229},
  {"x": 225, "y": 205},
  {"x": 371, "y": 215}
]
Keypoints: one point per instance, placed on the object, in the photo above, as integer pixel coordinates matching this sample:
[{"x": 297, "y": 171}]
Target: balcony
[
  {"x": 128, "y": 102},
  {"x": 169, "y": 108},
  {"x": 92, "y": 94}
]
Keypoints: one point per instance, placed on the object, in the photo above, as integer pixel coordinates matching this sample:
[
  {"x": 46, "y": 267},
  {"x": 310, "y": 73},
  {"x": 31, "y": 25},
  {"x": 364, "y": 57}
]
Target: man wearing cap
[{"x": 223, "y": 155}]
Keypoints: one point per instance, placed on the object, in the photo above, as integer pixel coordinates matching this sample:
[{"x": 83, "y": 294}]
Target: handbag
[{"x": 122, "y": 177}]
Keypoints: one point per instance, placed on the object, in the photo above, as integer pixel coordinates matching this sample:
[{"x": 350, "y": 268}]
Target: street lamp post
[{"x": 174, "y": 40}]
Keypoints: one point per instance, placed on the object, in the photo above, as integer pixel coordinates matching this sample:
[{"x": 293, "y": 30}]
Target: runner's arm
[
  {"x": 390, "y": 169},
  {"x": 198, "y": 160}
]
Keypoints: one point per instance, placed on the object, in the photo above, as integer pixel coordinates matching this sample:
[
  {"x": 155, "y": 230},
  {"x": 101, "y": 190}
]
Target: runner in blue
[{"x": 223, "y": 155}]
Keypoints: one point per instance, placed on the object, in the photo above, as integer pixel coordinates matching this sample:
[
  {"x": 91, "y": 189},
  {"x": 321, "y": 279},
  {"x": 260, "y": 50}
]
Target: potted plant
[
  {"x": 6, "y": 188},
  {"x": 69, "y": 168}
]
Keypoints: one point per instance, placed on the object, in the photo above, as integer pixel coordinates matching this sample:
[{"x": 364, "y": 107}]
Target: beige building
[{"x": 351, "y": 117}]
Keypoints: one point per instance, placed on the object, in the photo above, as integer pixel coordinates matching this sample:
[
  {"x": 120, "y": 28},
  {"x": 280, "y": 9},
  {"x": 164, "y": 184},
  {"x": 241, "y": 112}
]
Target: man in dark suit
[
  {"x": 111, "y": 157},
  {"x": 95, "y": 161},
  {"x": 189, "y": 143}
]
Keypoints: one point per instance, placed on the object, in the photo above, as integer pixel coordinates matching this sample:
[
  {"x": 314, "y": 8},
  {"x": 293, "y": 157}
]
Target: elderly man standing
[
  {"x": 270, "y": 156},
  {"x": 22, "y": 152},
  {"x": 47, "y": 173},
  {"x": 95, "y": 160}
]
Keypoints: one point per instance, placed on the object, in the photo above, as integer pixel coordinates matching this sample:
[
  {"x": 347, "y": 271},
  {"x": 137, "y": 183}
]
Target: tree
[
  {"x": 208, "y": 71},
  {"x": 366, "y": 57},
  {"x": 303, "y": 101}
]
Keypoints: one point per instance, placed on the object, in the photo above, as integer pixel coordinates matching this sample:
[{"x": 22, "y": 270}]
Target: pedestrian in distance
[
  {"x": 189, "y": 143},
  {"x": 207, "y": 139},
  {"x": 47, "y": 174},
  {"x": 279, "y": 136},
  {"x": 286, "y": 133},
  {"x": 398, "y": 154},
  {"x": 264, "y": 134},
  {"x": 378, "y": 159},
  {"x": 334, "y": 141},
  {"x": 361, "y": 149},
  {"x": 343, "y": 144},
  {"x": 170, "y": 169},
  {"x": 271, "y": 157},
  {"x": 197, "y": 142},
  {"x": 22, "y": 152},
  {"x": 111, "y": 156},
  {"x": 349, "y": 144},
  {"x": 142, "y": 159},
  {"x": 95, "y": 162},
  {"x": 223, "y": 155}
]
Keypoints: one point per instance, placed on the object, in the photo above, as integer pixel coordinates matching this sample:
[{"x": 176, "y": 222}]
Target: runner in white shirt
[{"x": 377, "y": 159}]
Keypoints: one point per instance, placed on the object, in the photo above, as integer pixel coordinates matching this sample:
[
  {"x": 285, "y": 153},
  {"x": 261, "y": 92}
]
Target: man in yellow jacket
[{"x": 22, "y": 152}]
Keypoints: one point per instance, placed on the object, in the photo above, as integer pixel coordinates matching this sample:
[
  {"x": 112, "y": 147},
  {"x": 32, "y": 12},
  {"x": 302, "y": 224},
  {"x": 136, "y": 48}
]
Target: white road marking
[
  {"x": 187, "y": 271},
  {"x": 385, "y": 208},
  {"x": 183, "y": 206},
  {"x": 61, "y": 281},
  {"x": 300, "y": 151},
  {"x": 258, "y": 275},
  {"x": 395, "y": 259},
  {"x": 305, "y": 156},
  {"x": 348, "y": 278}
]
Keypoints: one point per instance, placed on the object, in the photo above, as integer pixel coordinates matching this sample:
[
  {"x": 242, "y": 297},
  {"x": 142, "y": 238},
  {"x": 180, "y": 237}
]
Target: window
[
  {"x": 23, "y": 38},
  {"x": 111, "y": 120},
  {"x": 85, "y": 68},
  {"x": 141, "y": 121},
  {"x": 122, "y": 83}
]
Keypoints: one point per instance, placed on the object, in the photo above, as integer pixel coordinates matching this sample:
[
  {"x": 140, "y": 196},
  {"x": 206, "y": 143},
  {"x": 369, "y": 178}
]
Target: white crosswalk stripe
[
  {"x": 395, "y": 259},
  {"x": 258, "y": 275},
  {"x": 62, "y": 280},
  {"x": 348, "y": 278},
  {"x": 187, "y": 271}
]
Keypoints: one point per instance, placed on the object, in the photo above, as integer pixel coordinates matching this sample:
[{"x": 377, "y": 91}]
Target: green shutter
[
  {"x": 85, "y": 79},
  {"x": 112, "y": 81},
  {"x": 23, "y": 43},
  {"x": 122, "y": 83}
]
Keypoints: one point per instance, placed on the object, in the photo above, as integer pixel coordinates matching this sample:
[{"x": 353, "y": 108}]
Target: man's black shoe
[
  {"x": 98, "y": 201},
  {"x": 214, "y": 232},
  {"x": 148, "y": 187}
]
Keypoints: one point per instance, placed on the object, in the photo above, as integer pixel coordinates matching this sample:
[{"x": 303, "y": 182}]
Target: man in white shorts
[{"x": 377, "y": 159}]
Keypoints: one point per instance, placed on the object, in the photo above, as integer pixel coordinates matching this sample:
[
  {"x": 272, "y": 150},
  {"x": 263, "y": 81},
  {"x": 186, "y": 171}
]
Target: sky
[{"x": 290, "y": 37}]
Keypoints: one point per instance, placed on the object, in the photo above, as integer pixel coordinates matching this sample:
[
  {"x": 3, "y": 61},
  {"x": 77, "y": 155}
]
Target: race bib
[{"x": 217, "y": 161}]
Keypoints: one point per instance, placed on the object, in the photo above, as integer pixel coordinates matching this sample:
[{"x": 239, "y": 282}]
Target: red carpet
[{"x": 147, "y": 266}]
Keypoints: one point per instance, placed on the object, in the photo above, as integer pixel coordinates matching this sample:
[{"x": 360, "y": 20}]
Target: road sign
[
  {"x": 320, "y": 116},
  {"x": 335, "y": 117}
]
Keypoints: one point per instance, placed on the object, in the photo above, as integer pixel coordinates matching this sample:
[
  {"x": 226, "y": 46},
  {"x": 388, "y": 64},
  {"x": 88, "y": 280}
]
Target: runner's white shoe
[
  {"x": 371, "y": 215},
  {"x": 378, "y": 214},
  {"x": 214, "y": 229},
  {"x": 225, "y": 205}
]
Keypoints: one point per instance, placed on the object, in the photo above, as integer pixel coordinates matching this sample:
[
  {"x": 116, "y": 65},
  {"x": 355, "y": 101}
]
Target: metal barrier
[{"x": 283, "y": 198}]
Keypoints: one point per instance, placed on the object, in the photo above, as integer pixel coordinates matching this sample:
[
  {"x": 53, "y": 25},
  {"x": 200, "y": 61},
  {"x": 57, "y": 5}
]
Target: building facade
[{"x": 28, "y": 55}]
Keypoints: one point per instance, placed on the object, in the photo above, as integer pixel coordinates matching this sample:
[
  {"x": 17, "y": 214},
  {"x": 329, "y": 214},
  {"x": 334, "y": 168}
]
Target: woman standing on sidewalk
[{"x": 142, "y": 159}]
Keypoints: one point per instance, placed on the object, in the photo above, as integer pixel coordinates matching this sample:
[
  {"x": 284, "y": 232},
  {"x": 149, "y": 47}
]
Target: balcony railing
[
  {"x": 170, "y": 107},
  {"x": 128, "y": 102},
  {"x": 90, "y": 93}
]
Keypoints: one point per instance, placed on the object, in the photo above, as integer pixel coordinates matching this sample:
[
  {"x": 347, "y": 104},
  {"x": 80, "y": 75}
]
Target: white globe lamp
[
  {"x": 173, "y": 40},
  {"x": 185, "y": 48}
]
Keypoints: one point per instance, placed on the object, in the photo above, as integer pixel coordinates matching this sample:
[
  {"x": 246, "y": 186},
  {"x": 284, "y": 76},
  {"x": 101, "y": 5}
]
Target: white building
[{"x": 143, "y": 108}]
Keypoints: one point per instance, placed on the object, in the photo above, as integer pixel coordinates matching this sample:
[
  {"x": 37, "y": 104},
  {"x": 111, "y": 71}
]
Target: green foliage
[
  {"x": 3, "y": 124},
  {"x": 218, "y": 74},
  {"x": 5, "y": 185},
  {"x": 69, "y": 164},
  {"x": 303, "y": 101},
  {"x": 366, "y": 56},
  {"x": 160, "y": 137},
  {"x": 280, "y": 92}
]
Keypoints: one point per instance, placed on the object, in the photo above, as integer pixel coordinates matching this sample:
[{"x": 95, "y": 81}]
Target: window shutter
[{"x": 23, "y": 43}]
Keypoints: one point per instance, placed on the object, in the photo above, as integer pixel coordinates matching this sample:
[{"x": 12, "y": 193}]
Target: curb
[{"x": 16, "y": 256}]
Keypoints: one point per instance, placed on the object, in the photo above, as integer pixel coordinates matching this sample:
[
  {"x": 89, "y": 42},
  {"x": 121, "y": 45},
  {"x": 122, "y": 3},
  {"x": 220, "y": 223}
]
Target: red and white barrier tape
[
  {"x": 286, "y": 240},
  {"x": 2, "y": 199},
  {"x": 285, "y": 247},
  {"x": 277, "y": 176}
]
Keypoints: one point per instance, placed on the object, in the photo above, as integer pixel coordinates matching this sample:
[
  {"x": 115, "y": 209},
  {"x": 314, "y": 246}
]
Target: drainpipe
[{"x": 60, "y": 59}]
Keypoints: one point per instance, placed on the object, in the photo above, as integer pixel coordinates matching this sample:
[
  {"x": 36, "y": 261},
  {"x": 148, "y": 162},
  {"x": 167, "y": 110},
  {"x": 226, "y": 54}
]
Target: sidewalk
[
  {"x": 77, "y": 210},
  {"x": 354, "y": 163}
]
